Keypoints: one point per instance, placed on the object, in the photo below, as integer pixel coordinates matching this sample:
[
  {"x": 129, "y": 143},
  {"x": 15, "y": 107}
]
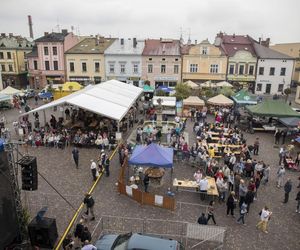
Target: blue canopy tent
[
  {"x": 46, "y": 95},
  {"x": 152, "y": 155},
  {"x": 164, "y": 89}
]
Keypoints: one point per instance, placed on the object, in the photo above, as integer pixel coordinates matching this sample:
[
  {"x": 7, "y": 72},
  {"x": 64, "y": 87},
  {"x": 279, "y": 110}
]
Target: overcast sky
[{"x": 277, "y": 19}]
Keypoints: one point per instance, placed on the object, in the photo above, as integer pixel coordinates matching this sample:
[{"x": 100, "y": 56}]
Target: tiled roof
[
  {"x": 52, "y": 37},
  {"x": 233, "y": 43},
  {"x": 126, "y": 47},
  {"x": 162, "y": 47},
  {"x": 33, "y": 53},
  {"x": 264, "y": 52},
  {"x": 15, "y": 42},
  {"x": 91, "y": 46}
]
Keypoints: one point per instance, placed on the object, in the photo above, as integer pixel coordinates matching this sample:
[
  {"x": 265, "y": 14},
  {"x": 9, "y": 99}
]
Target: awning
[
  {"x": 220, "y": 100},
  {"x": 243, "y": 97},
  {"x": 10, "y": 91},
  {"x": 193, "y": 101},
  {"x": 4, "y": 98},
  {"x": 192, "y": 85},
  {"x": 290, "y": 121}
]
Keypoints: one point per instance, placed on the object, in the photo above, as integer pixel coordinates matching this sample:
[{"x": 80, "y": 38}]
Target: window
[
  {"x": 35, "y": 65},
  {"x": 135, "y": 68},
  {"x": 122, "y": 68},
  {"x": 176, "y": 59},
  {"x": 1, "y": 55},
  {"x": 214, "y": 68},
  {"x": 251, "y": 70},
  {"x": 3, "y": 67},
  {"x": 272, "y": 71},
  {"x": 282, "y": 71},
  {"x": 10, "y": 67},
  {"x": 46, "y": 51},
  {"x": 259, "y": 87},
  {"x": 150, "y": 68},
  {"x": 55, "y": 65},
  {"x": 172, "y": 84},
  {"x": 83, "y": 66},
  {"x": 97, "y": 67},
  {"x": 164, "y": 59},
  {"x": 280, "y": 87},
  {"x": 176, "y": 69},
  {"x": 8, "y": 55},
  {"x": 111, "y": 68},
  {"x": 54, "y": 51},
  {"x": 47, "y": 65},
  {"x": 231, "y": 69},
  {"x": 241, "y": 69},
  {"x": 204, "y": 50},
  {"x": 193, "y": 68},
  {"x": 261, "y": 70},
  {"x": 163, "y": 68},
  {"x": 72, "y": 67}
]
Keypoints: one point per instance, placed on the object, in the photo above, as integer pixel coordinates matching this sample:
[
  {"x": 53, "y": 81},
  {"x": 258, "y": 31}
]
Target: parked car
[
  {"x": 296, "y": 109},
  {"x": 131, "y": 241}
]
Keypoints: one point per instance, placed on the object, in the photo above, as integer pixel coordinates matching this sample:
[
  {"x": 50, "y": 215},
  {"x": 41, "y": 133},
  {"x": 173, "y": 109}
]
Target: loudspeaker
[
  {"x": 29, "y": 173},
  {"x": 43, "y": 233}
]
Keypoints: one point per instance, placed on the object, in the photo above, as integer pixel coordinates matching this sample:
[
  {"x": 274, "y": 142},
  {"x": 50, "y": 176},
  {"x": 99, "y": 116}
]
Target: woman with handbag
[{"x": 231, "y": 204}]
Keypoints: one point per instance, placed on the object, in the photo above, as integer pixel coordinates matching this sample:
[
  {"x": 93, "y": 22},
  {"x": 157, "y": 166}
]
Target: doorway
[{"x": 268, "y": 88}]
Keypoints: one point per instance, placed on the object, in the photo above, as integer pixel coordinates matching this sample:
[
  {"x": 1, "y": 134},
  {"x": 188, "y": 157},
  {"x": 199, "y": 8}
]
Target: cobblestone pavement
[{"x": 57, "y": 166}]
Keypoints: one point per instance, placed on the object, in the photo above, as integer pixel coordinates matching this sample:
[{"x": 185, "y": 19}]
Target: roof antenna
[{"x": 189, "y": 40}]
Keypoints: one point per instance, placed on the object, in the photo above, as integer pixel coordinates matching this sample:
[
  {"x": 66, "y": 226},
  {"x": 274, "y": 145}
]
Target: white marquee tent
[
  {"x": 111, "y": 99},
  {"x": 10, "y": 91}
]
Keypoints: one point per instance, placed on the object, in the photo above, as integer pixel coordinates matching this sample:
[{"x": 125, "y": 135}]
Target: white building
[
  {"x": 274, "y": 70},
  {"x": 123, "y": 60}
]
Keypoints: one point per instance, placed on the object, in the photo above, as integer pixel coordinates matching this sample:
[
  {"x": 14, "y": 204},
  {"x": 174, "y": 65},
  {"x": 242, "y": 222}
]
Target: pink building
[
  {"x": 161, "y": 62},
  {"x": 46, "y": 63}
]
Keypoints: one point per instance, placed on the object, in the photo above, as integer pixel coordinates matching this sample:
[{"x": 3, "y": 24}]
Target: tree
[
  {"x": 287, "y": 92},
  {"x": 182, "y": 91},
  {"x": 226, "y": 91}
]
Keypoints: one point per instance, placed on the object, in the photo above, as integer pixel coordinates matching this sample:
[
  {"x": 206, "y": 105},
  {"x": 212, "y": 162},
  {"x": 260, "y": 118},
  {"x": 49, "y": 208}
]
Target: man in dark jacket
[
  {"x": 75, "y": 154},
  {"x": 146, "y": 182},
  {"x": 89, "y": 202},
  {"x": 287, "y": 190},
  {"x": 202, "y": 219}
]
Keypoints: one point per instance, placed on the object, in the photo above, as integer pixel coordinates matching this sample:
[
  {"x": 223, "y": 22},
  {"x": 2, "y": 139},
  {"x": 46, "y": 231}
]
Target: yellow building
[
  {"x": 204, "y": 62},
  {"x": 85, "y": 61},
  {"x": 293, "y": 50},
  {"x": 12, "y": 60}
]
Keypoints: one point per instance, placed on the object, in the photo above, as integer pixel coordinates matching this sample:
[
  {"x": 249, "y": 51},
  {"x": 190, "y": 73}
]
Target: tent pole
[{"x": 45, "y": 120}]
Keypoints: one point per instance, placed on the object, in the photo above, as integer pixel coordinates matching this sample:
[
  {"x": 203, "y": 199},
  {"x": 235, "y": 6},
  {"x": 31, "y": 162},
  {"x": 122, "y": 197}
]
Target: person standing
[
  {"x": 266, "y": 174},
  {"x": 86, "y": 235},
  {"x": 202, "y": 219},
  {"x": 94, "y": 170},
  {"x": 203, "y": 186},
  {"x": 231, "y": 204},
  {"x": 88, "y": 246},
  {"x": 249, "y": 198},
  {"x": 210, "y": 213},
  {"x": 79, "y": 229},
  {"x": 106, "y": 166},
  {"x": 265, "y": 215},
  {"x": 298, "y": 202},
  {"x": 75, "y": 154},
  {"x": 284, "y": 134},
  {"x": 89, "y": 202},
  {"x": 256, "y": 146},
  {"x": 280, "y": 176},
  {"x": 277, "y": 136},
  {"x": 243, "y": 211},
  {"x": 242, "y": 192},
  {"x": 287, "y": 190},
  {"x": 146, "y": 182}
]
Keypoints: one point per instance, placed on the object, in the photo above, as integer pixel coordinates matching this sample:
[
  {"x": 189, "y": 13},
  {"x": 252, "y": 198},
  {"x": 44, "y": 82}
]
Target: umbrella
[
  {"x": 224, "y": 84},
  {"x": 46, "y": 95},
  {"x": 208, "y": 84}
]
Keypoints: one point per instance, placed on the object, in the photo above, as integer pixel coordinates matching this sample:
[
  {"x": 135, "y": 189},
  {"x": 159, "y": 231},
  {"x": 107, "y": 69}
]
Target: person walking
[
  {"x": 75, "y": 154},
  {"x": 231, "y": 204},
  {"x": 298, "y": 202},
  {"x": 243, "y": 211},
  {"x": 287, "y": 190},
  {"x": 94, "y": 170},
  {"x": 277, "y": 136},
  {"x": 249, "y": 198},
  {"x": 89, "y": 202},
  {"x": 86, "y": 235},
  {"x": 106, "y": 166},
  {"x": 265, "y": 215},
  {"x": 256, "y": 146},
  {"x": 266, "y": 175},
  {"x": 210, "y": 213},
  {"x": 202, "y": 219},
  {"x": 78, "y": 230},
  {"x": 88, "y": 246},
  {"x": 146, "y": 182},
  {"x": 280, "y": 176}
]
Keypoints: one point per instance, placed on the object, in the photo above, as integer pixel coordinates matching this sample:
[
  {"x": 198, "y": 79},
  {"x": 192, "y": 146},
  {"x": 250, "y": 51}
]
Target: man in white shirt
[
  {"x": 203, "y": 186},
  {"x": 94, "y": 169},
  {"x": 264, "y": 218}
]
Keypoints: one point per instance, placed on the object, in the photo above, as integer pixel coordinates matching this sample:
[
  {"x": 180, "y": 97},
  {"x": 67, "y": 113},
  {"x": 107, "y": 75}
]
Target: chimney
[
  {"x": 233, "y": 35},
  {"x": 265, "y": 43},
  {"x": 64, "y": 31},
  {"x": 97, "y": 40},
  {"x": 30, "y": 27},
  {"x": 46, "y": 33},
  {"x": 220, "y": 34},
  {"x": 259, "y": 40},
  {"x": 122, "y": 41},
  {"x": 196, "y": 41},
  {"x": 11, "y": 34},
  {"x": 134, "y": 42},
  {"x": 3, "y": 34}
]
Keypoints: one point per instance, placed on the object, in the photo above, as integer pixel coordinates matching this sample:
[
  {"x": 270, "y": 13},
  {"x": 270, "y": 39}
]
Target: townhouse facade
[
  {"x": 85, "y": 61},
  {"x": 123, "y": 60},
  {"x": 47, "y": 62},
  {"x": 204, "y": 62},
  {"x": 274, "y": 70},
  {"x": 13, "y": 62},
  {"x": 161, "y": 62},
  {"x": 241, "y": 59},
  {"x": 1, "y": 83}
]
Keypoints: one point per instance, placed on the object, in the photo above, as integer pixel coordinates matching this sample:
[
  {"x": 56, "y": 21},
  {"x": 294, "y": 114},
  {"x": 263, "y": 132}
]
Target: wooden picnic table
[
  {"x": 223, "y": 145},
  {"x": 217, "y": 133}
]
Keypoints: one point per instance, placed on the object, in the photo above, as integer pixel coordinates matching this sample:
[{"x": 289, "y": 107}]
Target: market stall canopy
[
  {"x": 220, "y": 100},
  {"x": 243, "y": 97},
  {"x": 272, "y": 108},
  {"x": 152, "y": 155},
  {"x": 290, "y": 121},
  {"x": 168, "y": 101},
  {"x": 164, "y": 89},
  {"x": 224, "y": 84},
  {"x": 111, "y": 99},
  {"x": 46, "y": 95},
  {"x": 148, "y": 88},
  {"x": 193, "y": 101},
  {"x": 74, "y": 86},
  {"x": 192, "y": 85},
  {"x": 10, "y": 91},
  {"x": 4, "y": 98},
  {"x": 208, "y": 84}
]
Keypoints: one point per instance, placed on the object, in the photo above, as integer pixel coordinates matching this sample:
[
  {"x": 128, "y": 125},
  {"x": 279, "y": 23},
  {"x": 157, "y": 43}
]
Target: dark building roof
[
  {"x": 33, "y": 53},
  {"x": 52, "y": 37},
  {"x": 161, "y": 47},
  {"x": 15, "y": 42},
  {"x": 267, "y": 53},
  {"x": 91, "y": 45}
]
